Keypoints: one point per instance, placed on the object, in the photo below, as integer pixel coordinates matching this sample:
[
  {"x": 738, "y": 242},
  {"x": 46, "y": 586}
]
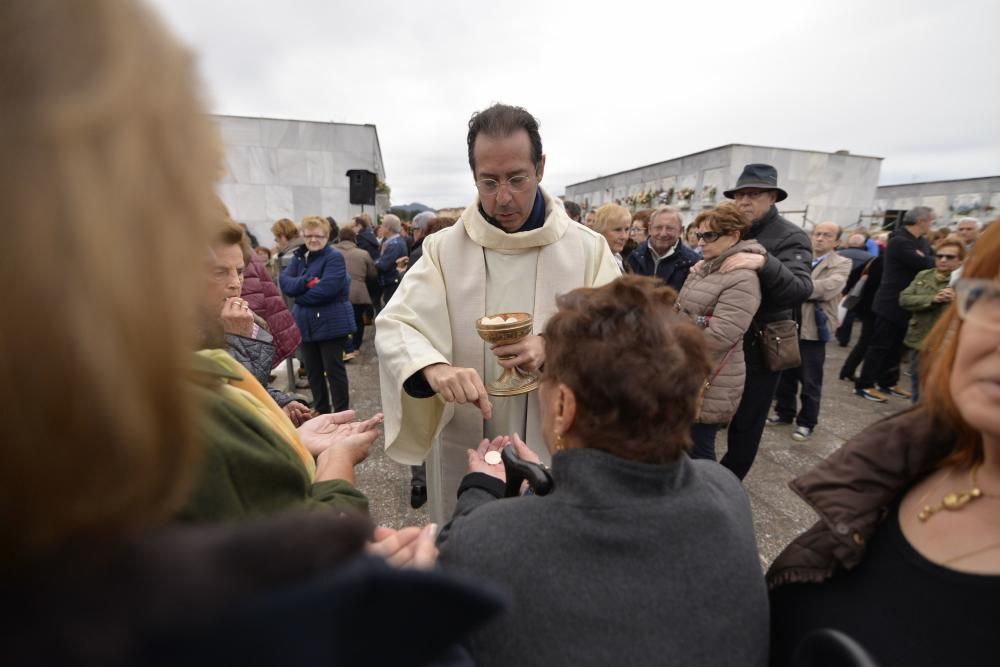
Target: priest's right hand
[{"x": 459, "y": 385}]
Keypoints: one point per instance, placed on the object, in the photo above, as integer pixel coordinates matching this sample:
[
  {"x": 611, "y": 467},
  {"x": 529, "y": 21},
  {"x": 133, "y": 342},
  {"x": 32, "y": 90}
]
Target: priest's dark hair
[{"x": 503, "y": 120}]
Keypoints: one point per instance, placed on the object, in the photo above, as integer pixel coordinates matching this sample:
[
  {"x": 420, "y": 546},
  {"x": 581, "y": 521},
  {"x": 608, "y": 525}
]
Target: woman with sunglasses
[
  {"x": 906, "y": 557},
  {"x": 927, "y": 297},
  {"x": 723, "y": 304}
]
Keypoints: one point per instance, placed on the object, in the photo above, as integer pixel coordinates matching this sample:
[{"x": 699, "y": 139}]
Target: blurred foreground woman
[
  {"x": 906, "y": 556},
  {"x": 641, "y": 555},
  {"x": 106, "y": 165}
]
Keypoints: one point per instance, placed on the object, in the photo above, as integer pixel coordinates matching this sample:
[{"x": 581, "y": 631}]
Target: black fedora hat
[{"x": 761, "y": 176}]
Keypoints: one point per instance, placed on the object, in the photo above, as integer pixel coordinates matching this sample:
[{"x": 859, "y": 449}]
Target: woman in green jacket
[{"x": 927, "y": 297}]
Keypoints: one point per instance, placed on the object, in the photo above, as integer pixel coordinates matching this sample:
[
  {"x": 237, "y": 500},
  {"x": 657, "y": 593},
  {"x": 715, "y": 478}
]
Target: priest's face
[{"x": 506, "y": 177}]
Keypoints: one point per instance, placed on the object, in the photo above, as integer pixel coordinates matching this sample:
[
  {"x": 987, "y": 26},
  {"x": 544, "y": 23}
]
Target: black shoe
[
  {"x": 418, "y": 496},
  {"x": 848, "y": 378}
]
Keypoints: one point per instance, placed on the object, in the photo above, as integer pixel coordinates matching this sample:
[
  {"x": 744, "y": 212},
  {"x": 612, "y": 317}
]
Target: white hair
[
  {"x": 420, "y": 220},
  {"x": 391, "y": 223},
  {"x": 974, "y": 221}
]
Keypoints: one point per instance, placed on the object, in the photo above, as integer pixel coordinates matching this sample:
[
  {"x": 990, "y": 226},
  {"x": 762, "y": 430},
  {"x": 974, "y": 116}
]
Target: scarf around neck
[{"x": 535, "y": 219}]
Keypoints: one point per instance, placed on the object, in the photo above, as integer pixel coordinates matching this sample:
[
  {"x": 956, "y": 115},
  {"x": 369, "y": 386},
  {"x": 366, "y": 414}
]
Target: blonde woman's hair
[
  {"x": 286, "y": 228},
  {"x": 609, "y": 215},
  {"x": 108, "y": 163},
  {"x": 316, "y": 222}
]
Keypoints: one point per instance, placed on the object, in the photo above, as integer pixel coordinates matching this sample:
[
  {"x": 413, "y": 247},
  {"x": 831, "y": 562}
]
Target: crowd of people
[{"x": 175, "y": 507}]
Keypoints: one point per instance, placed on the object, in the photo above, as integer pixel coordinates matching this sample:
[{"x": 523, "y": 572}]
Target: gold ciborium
[{"x": 506, "y": 329}]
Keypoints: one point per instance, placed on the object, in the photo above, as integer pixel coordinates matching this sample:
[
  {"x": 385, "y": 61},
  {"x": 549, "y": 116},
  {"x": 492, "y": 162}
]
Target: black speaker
[{"x": 362, "y": 186}]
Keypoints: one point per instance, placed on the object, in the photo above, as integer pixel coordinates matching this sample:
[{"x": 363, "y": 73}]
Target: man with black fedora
[{"x": 785, "y": 283}]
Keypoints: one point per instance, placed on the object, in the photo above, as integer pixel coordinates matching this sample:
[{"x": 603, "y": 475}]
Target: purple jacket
[{"x": 265, "y": 300}]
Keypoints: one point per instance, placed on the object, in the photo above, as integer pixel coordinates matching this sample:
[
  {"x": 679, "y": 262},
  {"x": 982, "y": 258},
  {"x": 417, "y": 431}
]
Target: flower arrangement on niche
[{"x": 684, "y": 196}]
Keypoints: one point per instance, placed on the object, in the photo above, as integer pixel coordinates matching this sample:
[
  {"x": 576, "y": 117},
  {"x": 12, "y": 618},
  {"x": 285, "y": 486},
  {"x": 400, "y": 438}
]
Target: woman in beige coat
[{"x": 723, "y": 304}]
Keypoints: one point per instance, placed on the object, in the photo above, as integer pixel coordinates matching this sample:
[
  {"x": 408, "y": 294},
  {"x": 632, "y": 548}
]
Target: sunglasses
[
  {"x": 942, "y": 255},
  {"x": 708, "y": 237}
]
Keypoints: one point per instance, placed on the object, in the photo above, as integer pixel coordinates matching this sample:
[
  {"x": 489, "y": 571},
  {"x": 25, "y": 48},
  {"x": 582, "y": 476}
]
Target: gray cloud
[{"x": 616, "y": 85}]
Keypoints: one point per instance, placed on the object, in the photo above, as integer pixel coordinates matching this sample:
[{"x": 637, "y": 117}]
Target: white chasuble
[{"x": 467, "y": 271}]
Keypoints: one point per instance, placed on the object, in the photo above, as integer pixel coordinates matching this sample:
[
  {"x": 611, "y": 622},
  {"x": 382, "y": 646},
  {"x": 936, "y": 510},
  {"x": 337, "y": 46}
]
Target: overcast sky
[{"x": 615, "y": 84}]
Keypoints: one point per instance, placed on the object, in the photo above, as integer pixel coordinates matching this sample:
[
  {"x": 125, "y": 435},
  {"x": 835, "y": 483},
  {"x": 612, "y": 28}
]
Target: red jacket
[{"x": 265, "y": 300}]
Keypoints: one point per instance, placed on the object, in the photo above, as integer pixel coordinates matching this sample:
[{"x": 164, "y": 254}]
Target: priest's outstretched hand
[
  {"x": 459, "y": 385},
  {"x": 528, "y": 353}
]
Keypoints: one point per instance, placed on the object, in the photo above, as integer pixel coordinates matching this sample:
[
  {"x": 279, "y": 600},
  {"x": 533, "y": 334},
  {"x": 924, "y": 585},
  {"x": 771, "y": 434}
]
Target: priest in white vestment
[{"x": 513, "y": 250}]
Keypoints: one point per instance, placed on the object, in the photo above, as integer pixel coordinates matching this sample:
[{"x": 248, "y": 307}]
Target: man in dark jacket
[
  {"x": 365, "y": 236},
  {"x": 859, "y": 256},
  {"x": 785, "y": 282},
  {"x": 907, "y": 254},
  {"x": 662, "y": 254},
  {"x": 393, "y": 249},
  {"x": 419, "y": 230}
]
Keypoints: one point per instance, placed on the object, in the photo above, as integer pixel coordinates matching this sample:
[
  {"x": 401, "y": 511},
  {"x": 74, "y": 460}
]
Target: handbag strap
[{"x": 718, "y": 369}]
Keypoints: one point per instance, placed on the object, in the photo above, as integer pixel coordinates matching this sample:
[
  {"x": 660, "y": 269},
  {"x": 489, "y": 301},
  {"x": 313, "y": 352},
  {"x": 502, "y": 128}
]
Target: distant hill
[{"x": 414, "y": 208}]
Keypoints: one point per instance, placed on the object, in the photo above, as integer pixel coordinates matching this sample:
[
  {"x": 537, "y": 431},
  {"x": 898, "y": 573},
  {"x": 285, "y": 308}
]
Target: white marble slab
[
  {"x": 250, "y": 203},
  {"x": 308, "y": 202},
  {"x": 316, "y": 172},
  {"x": 276, "y": 133},
  {"x": 238, "y": 131},
  {"x": 292, "y": 168},
  {"x": 279, "y": 202},
  {"x": 334, "y": 200}
]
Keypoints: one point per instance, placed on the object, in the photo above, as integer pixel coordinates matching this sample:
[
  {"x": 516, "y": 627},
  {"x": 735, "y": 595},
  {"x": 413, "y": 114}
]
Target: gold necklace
[{"x": 955, "y": 501}]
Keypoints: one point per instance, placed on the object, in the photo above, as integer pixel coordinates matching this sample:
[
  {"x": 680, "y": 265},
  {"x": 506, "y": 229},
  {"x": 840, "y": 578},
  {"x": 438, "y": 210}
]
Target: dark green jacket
[
  {"x": 247, "y": 470},
  {"x": 918, "y": 298}
]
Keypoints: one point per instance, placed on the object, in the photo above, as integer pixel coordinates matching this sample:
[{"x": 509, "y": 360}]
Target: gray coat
[
  {"x": 257, "y": 356},
  {"x": 625, "y": 563},
  {"x": 723, "y": 303}
]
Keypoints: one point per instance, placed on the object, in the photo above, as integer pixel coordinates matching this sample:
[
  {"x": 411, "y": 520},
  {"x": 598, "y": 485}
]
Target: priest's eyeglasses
[
  {"x": 489, "y": 187},
  {"x": 979, "y": 301}
]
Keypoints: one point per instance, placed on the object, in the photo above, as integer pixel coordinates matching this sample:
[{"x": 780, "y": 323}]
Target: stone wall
[
  {"x": 835, "y": 186},
  {"x": 291, "y": 169},
  {"x": 973, "y": 197}
]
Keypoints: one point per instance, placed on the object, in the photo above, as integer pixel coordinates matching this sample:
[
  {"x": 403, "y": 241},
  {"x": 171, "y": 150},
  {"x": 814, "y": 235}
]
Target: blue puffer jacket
[{"x": 323, "y": 311}]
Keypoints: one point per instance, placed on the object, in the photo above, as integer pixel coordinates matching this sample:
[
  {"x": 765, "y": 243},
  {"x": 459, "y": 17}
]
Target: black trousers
[
  {"x": 747, "y": 424},
  {"x": 810, "y": 375},
  {"x": 418, "y": 475},
  {"x": 883, "y": 355},
  {"x": 359, "y": 323},
  {"x": 388, "y": 290},
  {"x": 325, "y": 363},
  {"x": 857, "y": 353},
  {"x": 703, "y": 441},
  {"x": 843, "y": 333}
]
